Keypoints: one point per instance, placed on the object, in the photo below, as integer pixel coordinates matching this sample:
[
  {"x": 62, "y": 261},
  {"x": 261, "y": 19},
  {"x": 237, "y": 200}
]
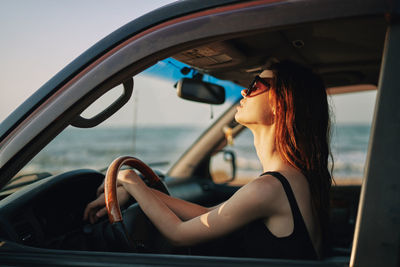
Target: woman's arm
[
  {"x": 183, "y": 209},
  {"x": 247, "y": 204}
]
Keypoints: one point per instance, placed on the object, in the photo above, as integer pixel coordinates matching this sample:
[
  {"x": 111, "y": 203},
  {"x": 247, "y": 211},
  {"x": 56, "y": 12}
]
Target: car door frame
[{"x": 142, "y": 50}]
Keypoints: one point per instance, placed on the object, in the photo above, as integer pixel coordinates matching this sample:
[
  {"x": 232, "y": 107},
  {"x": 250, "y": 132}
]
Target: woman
[{"x": 284, "y": 212}]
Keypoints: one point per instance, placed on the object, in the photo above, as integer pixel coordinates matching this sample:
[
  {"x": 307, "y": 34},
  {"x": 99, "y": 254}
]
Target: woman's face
[{"x": 257, "y": 108}]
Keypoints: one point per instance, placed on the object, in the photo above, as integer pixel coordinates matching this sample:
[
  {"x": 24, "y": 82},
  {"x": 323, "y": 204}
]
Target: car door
[{"x": 142, "y": 43}]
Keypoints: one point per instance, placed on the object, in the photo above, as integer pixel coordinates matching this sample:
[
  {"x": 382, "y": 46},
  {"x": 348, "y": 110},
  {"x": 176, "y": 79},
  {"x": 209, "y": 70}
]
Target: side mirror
[
  {"x": 199, "y": 91},
  {"x": 223, "y": 166}
]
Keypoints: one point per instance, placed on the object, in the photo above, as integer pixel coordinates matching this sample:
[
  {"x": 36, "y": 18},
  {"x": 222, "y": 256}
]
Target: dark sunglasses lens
[{"x": 251, "y": 87}]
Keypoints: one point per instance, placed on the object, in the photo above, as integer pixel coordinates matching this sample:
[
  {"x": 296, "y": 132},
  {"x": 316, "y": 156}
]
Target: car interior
[{"x": 346, "y": 53}]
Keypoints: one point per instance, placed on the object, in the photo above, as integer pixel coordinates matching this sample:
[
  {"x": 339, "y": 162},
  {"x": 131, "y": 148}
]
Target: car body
[{"x": 353, "y": 45}]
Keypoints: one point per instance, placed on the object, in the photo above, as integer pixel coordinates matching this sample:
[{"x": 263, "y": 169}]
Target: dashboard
[{"x": 49, "y": 212}]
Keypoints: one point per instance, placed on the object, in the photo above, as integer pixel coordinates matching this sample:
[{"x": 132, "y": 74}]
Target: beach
[{"x": 160, "y": 147}]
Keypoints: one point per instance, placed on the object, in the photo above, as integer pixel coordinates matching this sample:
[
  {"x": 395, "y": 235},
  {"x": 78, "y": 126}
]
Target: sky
[{"x": 39, "y": 38}]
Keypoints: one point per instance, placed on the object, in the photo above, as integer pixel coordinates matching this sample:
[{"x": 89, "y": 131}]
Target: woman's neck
[{"x": 264, "y": 142}]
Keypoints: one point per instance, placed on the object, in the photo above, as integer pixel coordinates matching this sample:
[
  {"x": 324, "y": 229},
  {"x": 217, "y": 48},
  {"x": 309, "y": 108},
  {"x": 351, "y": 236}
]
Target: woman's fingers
[
  {"x": 100, "y": 189},
  {"x": 93, "y": 207},
  {"x": 127, "y": 176},
  {"x": 102, "y": 212},
  {"x": 97, "y": 208}
]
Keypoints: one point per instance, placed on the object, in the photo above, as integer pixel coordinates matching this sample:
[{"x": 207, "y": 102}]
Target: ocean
[{"x": 161, "y": 147}]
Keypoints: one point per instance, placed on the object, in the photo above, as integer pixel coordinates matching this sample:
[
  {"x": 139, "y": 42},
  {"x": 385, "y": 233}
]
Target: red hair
[{"x": 303, "y": 130}]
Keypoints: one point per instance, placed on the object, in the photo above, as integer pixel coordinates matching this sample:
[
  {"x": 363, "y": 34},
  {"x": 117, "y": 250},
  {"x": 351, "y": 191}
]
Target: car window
[
  {"x": 155, "y": 126},
  {"x": 247, "y": 164},
  {"x": 351, "y": 128},
  {"x": 351, "y": 125}
]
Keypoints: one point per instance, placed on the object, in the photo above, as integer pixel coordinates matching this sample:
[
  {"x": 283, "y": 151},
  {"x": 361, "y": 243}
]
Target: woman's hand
[
  {"x": 97, "y": 208},
  {"x": 128, "y": 177}
]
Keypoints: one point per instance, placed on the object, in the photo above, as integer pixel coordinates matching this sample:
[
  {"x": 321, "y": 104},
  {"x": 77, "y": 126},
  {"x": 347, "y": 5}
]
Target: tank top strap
[{"x": 297, "y": 217}]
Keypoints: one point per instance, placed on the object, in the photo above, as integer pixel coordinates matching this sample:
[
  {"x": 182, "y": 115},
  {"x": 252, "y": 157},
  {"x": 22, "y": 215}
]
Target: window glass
[
  {"x": 155, "y": 126},
  {"x": 351, "y": 125},
  {"x": 352, "y": 120}
]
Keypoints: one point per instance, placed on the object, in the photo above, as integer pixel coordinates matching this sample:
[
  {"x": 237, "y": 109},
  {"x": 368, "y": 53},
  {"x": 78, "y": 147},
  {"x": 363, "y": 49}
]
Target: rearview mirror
[{"x": 199, "y": 91}]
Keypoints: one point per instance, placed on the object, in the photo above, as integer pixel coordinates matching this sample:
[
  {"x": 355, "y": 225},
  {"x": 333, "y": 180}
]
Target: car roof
[{"x": 344, "y": 51}]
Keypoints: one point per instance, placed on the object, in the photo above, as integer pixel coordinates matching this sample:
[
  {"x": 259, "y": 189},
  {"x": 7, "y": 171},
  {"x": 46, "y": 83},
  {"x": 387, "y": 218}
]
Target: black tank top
[
  {"x": 254, "y": 240},
  {"x": 258, "y": 241}
]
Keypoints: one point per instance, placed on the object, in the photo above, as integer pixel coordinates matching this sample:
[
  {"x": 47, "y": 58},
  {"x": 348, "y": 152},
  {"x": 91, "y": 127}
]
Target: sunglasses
[{"x": 253, "y": 86}]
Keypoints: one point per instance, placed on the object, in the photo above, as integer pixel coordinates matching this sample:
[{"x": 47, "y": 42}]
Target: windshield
[{"x": 155, "y": 126}]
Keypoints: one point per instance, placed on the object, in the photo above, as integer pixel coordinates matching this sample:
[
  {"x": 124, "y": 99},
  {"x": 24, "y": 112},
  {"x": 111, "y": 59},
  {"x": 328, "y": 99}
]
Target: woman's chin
[
  {"x": 237, "y": 117},
  {"x": 239, "y": 120}
]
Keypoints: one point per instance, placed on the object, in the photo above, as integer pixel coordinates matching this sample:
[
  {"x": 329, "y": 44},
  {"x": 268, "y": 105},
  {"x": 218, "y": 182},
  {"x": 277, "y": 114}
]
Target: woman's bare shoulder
[
  {"x": 266, "y": 182},
  {"x": 267, "y": 191},
  {"x": 297, "y": 181}
]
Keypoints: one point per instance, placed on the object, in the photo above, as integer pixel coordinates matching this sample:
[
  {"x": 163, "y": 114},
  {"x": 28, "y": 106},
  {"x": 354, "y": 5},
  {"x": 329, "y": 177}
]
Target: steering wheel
[{"x": 110, "y": 191}]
